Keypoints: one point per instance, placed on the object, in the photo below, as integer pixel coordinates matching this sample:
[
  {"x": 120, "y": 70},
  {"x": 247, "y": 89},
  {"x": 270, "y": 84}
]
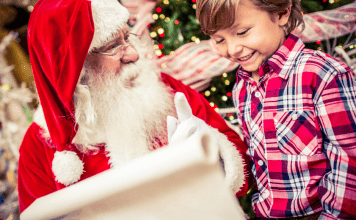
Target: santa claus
[{"x": 103, "y": 103}]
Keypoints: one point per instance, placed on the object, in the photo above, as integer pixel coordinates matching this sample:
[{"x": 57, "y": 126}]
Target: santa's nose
[{"x": 130, "y": 55}]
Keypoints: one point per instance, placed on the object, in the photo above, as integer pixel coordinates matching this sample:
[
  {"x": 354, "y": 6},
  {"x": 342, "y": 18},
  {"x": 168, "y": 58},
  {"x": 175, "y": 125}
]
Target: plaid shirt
[{"x": 299, "y": 122}]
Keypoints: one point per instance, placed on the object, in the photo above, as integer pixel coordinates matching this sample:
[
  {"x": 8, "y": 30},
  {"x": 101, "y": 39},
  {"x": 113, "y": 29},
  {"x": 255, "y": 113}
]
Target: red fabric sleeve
[
  {"x": 202, "y": 109},
  {"x": 35, "y": 178}
]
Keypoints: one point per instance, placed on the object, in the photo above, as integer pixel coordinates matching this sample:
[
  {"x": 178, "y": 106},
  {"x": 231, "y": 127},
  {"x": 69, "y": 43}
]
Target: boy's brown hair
[{"x": 215, "y": 15}]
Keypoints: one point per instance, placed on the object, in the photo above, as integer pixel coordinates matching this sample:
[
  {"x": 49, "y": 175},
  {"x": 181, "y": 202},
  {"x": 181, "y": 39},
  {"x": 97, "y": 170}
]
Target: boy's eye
[
  {"x": 219, "y": 41},
  {"x": 243, "y": 32}
]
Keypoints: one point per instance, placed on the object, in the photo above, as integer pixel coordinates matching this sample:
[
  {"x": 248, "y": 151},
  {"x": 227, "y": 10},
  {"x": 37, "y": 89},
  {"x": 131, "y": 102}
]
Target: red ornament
[
  {"x": 161, "y": 35},
  {"x": 160, "y": 46},
  {"x": 194, "y": 1},
  {"x": 158, "y": 9},
  {"x": 228, "y": 94},
  {"x": 176, "y": 22},
  {"x": 229, "y": 114},
  {"x": 318, "y": 42}
]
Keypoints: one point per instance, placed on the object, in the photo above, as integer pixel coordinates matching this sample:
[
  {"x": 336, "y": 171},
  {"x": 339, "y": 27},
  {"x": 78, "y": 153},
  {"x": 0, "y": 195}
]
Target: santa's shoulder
[
  {"x": 169, "y": 80},
  {"x": 34, "y": 141},
  {"x": 178, "y": 86}
]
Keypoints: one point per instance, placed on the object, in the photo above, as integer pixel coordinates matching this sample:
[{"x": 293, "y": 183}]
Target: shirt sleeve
[
  {"x": 336, "y": 112},
  {"x": 201, "y": 108},
  {"x": 34, "y": 175}
]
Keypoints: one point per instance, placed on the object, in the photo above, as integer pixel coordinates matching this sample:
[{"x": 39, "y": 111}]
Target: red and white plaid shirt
[{"x": 299, "y": 122}]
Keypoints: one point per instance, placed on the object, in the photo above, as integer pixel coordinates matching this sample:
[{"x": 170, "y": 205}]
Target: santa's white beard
[{"x": 126, "y": 111}]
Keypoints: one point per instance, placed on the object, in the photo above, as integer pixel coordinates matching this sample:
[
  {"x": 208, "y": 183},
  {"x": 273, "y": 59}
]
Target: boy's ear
[{"x": 283, "y": 16}]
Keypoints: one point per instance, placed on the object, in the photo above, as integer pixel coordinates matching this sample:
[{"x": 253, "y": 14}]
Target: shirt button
[
  {"x": 265, "y": 194},
  {"x": 260, "y": 162},
  {"x": 257, "y": 94},
  {"x": 295, "y": 116}
]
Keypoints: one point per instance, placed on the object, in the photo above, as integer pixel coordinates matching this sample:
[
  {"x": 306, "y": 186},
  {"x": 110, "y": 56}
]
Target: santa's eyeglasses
[{"x": 116, "y": 49}]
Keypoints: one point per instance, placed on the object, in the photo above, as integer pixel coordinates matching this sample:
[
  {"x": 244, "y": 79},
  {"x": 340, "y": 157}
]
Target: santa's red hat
[{"x": 60, "y": 35}]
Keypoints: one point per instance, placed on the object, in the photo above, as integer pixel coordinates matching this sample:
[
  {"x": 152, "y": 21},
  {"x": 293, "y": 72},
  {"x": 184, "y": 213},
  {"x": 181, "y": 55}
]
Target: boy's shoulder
[
  {"x": 315, "y": 61},
  {"x": 293, "y": 58}
]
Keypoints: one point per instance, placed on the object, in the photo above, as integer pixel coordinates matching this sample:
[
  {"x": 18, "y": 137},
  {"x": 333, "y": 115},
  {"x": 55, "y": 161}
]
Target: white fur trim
[
  {"x": 67, "y": 167},
  {"x": 39, "y": 119},
  {"x": 109, "y": 16},
  {"x": 233, "y": 163}
]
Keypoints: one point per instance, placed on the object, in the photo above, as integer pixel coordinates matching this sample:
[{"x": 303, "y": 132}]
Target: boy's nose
[
  {"x": 234, "y": 50},
  {"x": 130, "y": 55}
]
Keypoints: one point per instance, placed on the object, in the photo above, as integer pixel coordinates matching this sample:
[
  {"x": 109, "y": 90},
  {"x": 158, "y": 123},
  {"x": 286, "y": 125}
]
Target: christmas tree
[{"x": 173, "y": 27}]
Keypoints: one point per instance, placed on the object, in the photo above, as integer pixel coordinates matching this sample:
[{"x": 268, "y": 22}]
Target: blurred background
[{"x": 177, "y": 45}]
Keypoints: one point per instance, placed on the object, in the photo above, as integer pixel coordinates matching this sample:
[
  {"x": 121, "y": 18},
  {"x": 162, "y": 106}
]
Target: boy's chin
[{"x": 250, "y": 69}]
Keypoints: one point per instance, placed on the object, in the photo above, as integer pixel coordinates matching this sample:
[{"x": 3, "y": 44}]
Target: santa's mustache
[
  {"x": 125, "y": 77},
  {"x": 128, "y": 74}
]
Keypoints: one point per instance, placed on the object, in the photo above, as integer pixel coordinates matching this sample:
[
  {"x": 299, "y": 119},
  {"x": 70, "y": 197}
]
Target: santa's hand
[{"x": 187, "y": 125}]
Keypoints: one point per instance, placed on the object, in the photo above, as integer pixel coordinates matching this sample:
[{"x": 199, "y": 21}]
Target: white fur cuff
[{"x": 233, "y": 162}]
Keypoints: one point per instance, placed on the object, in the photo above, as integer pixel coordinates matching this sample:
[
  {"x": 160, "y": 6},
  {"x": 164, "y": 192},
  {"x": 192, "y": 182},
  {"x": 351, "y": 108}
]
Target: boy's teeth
[{"x": 246, "y": 57}]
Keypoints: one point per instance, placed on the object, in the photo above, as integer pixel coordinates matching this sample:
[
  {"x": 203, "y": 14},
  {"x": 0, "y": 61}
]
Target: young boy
[{"x": 297, "y": 108}]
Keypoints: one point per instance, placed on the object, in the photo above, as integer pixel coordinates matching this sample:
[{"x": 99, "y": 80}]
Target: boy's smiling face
[{"x": 253, "y": 38}]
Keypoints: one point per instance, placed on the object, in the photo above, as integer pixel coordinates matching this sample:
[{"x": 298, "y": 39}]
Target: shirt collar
[{"x": 280, "y": 62}]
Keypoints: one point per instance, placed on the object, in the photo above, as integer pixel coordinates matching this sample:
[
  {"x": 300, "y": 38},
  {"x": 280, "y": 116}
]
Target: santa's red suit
[{"x": 57, "y": 59}]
